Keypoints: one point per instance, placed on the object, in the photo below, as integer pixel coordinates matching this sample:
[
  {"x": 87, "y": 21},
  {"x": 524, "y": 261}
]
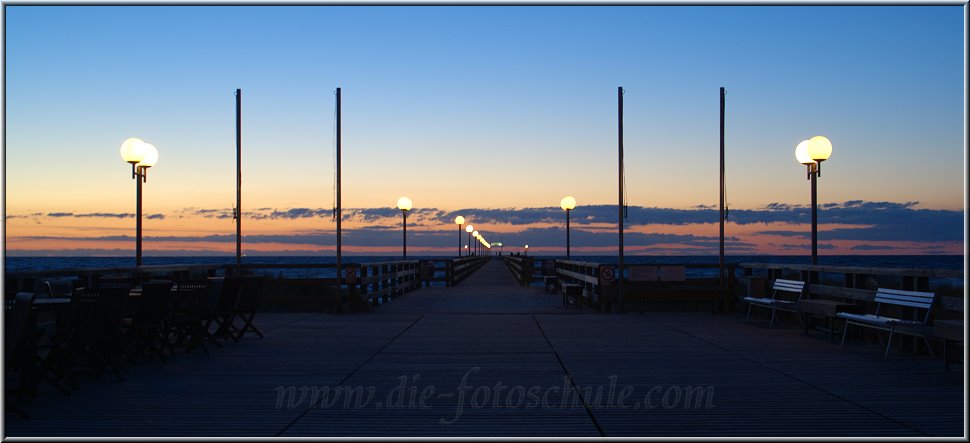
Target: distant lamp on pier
[
  {"x": 475, "y": 234},
  {"x": 468, "y": 248},
  {"x": 526, "y": 249},
  {"x": 459, "y": 220},
  {"x": 812, "y": 153},
  {"x": 142, "y": 156},
  {"x": 404, "y": 204},
  {"x": 568, "y": 203}
]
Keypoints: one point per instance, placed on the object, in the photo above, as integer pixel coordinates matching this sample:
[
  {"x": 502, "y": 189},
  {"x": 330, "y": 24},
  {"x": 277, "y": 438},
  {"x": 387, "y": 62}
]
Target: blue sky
[{"x": 482, "y": 107}]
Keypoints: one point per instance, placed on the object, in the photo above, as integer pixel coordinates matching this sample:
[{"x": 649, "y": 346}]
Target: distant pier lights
[
  {"x": 812, "y": 153},
  {"x": 568, "y": 203},
  {"x": 142, "y": 156},
  {"x": 469, "y": 229}
]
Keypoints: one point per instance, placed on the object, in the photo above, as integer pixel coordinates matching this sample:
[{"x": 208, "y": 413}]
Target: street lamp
[
  {"x": 459, "y": 220},
  {"x": 469, "y": 229},
  {"x": 404, "y": 204},
  {"x": 142, "y": 156},
  {"x": 812, "y": 153},
  {"x": 526, "y": 250},
  {"x": 475, "y": 234},
  {"x": 567, "y": 203}
]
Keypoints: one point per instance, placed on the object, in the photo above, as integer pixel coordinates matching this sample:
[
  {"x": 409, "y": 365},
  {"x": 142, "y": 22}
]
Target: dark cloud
[
  {"x": 156, "y": 216},
  {"x": 867, "y": 220},
  {"x": 300, "y": 213},
  {"x": 872, "y": 248},
  {"x": 106, "y": 215},
  {"x": 801, "y": 247}
]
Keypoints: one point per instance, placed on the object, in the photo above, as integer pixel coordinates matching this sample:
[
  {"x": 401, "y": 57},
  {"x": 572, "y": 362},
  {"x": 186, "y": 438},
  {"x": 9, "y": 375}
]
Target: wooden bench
[
  {"x": 58, "y": 287},
  {"x": 893, "y": 297},
  {"x": 785, "y": 295}
]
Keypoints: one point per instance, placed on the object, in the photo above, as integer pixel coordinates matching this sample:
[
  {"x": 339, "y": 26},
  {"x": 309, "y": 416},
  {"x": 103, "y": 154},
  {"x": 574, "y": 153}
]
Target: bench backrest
[
  {"x": 657, "y": 273},
  {"x": 673, "y": 273},
  {"x": 912, "y": 299},
  {"x": 644, "y": 273},
  {"x": 787, "y": 286},
  {"x": 60, "y": 287}
]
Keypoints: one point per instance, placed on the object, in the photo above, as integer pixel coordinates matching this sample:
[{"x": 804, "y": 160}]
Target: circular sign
[{"x": 607, "y": 273}]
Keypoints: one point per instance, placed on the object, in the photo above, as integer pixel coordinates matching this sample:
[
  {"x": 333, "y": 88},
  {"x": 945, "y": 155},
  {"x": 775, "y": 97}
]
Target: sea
[{"x": 43, "y": 264}]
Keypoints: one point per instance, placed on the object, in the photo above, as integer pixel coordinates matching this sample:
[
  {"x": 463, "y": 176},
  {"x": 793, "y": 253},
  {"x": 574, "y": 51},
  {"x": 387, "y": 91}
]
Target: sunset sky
[{"x": 490, "y": 112}]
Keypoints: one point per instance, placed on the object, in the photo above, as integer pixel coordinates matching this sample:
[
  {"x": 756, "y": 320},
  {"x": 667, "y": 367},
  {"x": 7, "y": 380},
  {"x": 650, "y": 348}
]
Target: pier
[{"x": 491, "y": 357}]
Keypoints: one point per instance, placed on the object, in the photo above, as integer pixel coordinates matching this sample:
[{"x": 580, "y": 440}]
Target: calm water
[
  {"x": 35, "y": 264},
  {"x": 952, "y": 262}
]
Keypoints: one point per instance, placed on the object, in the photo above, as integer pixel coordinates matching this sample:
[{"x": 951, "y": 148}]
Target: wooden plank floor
[{"x": 489, "y": 358}]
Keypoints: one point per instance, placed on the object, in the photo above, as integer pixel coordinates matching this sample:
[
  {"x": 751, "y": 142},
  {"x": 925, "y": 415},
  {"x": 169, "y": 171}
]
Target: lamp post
[
  {"x": 459, "y": 220},
  {"x": 142, "y": 156},
  {"x": 404, "y": 204},
  {"x": 469, "y": 229},
  {"x": 812, "y": 153},
  {"x": 567, "y": 203},
  {"x": 475, "y": 234},
  {"x": 527, "y": 250}
]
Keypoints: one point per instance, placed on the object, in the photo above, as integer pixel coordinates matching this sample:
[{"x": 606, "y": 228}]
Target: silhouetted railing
[
  {"x": 289, "y": 285},
  {"x": 462, "y": 267},
  {"x": 859, "y": 284},
  {"x": 522, "y": 268}
]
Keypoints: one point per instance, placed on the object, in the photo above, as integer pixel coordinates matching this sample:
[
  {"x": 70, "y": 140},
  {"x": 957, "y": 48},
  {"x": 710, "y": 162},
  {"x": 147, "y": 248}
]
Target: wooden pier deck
[{"x": 490, "y": 358}]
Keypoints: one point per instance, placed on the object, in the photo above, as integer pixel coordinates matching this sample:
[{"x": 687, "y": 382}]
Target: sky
[{"x": 490, "y": 112}]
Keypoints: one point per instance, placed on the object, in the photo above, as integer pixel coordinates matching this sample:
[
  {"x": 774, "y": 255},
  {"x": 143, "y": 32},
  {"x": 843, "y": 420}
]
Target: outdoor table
[{"x": 827, "y": 309}]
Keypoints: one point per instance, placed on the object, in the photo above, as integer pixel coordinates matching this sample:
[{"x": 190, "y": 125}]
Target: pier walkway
[{"x": 490, "y": 358}]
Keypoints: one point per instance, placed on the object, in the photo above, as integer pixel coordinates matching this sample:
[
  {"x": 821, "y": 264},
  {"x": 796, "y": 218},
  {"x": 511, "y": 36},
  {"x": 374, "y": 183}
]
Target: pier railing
[
  {"x": 582, "y": 280},
  {"x": 859, "y": 284},
  {"x": 377, "y": 283},
  {"x": 672, "y": 285},
  {"x": 521, "y": 267},
  {"x": 300, "y": 286},
  {"x": 462, "y": 267}
]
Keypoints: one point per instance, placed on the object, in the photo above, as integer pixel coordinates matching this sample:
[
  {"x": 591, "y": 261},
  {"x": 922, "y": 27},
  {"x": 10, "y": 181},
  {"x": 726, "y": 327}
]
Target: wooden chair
[
  {"x": 250, "y": 291},
  {"x": 94, "y": 329},
  {"x": 785, "y": 295},
  {"x": 18, "y": 356},
  {"x": 187, "y": 316},
  {"x": 224, "y": 313},
  {"x": 148, "y": 319},
  {"x": 894, "y": 297},
  {"x": 213, "y": 291}
]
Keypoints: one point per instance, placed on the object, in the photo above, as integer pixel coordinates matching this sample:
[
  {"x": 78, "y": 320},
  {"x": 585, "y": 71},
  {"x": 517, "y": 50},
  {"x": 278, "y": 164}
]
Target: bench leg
[
  {"x": 889, "y": 342},
  {"x": 946, "y": 362},
  {"x": 748, "y": 317},
  {"x": 772, "y": 321},
  {"x": 845, "y": 331}
]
